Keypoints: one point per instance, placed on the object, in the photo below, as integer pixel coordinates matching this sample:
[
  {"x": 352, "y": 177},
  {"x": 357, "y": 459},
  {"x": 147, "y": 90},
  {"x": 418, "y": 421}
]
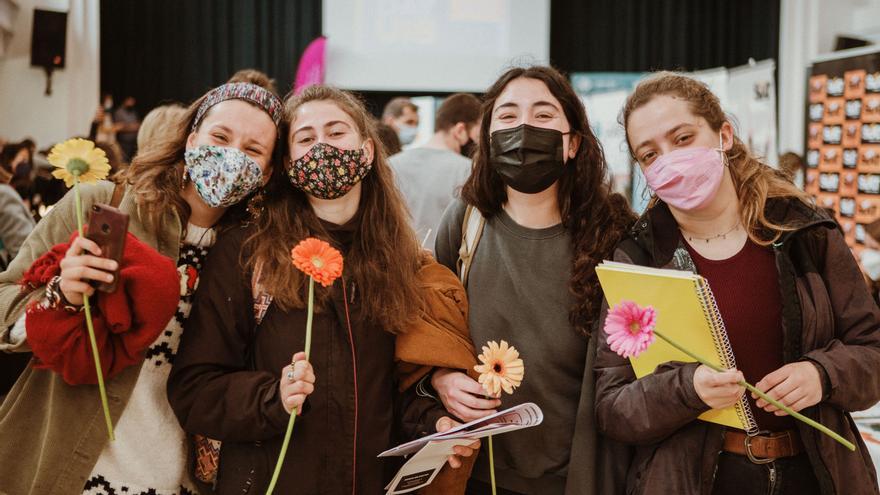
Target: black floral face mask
[{"x": 328, "y": 172}]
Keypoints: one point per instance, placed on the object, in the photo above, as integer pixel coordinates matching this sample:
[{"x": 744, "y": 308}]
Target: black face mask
[
  {"x": 23, "y": 170},
  {"x": 529, "y": 159},
  {"x": 468, "y": 149}
]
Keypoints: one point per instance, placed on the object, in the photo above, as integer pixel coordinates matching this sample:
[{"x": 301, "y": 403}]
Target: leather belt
[{"x": 764, "y": 448}]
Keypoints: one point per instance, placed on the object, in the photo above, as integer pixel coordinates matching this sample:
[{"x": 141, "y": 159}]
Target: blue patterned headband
[{"x": 257, "y": 95}]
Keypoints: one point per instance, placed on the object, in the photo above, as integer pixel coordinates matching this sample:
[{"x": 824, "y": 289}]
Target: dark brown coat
[
  {"x": 224, "y": 385},
  {"x": 829, "y": 318}
]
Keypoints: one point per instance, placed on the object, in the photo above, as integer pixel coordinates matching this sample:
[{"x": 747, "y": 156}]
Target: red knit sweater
[{"x": 746, "y": 287}]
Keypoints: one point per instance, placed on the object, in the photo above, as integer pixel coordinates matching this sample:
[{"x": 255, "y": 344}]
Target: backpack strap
[
  {"x": 471, "y": 230},
  {"x": 118, "y": 192},
  {"x": 262, "y": 299}
]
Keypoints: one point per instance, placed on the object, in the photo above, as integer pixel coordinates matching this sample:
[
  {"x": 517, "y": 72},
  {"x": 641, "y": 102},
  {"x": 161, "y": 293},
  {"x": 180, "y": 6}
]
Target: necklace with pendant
[{"x": 722, "y": 235}]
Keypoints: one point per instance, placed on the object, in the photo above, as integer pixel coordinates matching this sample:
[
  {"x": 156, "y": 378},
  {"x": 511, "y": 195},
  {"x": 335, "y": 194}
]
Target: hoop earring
[{"x": 257, "y": 205}]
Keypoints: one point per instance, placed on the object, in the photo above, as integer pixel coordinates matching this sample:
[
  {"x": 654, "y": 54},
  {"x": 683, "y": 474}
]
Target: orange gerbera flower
[
  {"x": 317, "y": 259},
  {"x": 501, "y": 368}
]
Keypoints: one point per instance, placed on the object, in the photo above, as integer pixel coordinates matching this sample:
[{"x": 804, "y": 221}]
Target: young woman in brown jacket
[
  {"x": 802, "y": 325},
  {"x": 232, "y": 380}
]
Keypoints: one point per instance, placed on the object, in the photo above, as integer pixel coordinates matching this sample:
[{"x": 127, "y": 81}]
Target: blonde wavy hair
[
  {"x": 159, "y": 126},
  {"x": 755, "y": 182}
]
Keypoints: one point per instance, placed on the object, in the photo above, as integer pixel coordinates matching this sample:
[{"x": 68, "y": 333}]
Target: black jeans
[{"x": 737, "y": 475}]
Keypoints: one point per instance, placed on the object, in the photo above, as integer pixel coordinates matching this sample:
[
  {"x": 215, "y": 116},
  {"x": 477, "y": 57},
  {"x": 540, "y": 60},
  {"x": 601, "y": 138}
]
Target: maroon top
[{"x": 746, "y": 289}]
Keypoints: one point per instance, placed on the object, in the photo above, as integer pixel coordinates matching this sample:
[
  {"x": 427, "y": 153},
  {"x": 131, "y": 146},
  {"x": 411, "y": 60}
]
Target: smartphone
[{"x": 108, "y": 228}]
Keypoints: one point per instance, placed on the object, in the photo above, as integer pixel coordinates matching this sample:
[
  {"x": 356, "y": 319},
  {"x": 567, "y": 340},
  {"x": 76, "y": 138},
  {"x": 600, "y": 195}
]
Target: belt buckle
[{"x": 748, "y": 444}]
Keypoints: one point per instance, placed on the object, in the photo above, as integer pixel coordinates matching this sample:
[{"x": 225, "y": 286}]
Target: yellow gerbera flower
[
  {"x": 501, "y": 368},
  {"x": 78, "y": 157}
]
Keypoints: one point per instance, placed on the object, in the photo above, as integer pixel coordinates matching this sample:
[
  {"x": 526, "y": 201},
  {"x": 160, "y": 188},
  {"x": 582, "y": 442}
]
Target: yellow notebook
[{"x": 686, "y": 312}]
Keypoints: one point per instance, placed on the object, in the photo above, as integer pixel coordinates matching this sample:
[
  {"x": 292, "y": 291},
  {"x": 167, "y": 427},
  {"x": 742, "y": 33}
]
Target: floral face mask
[
  {"x": 222, "y": 176},
  {"x": 328, "y": 172}
]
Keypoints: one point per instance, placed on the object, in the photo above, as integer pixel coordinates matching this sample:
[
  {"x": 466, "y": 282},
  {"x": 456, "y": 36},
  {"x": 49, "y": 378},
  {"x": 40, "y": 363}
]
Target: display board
[
  {"x": 431, "y": 45},
  {"x": 843, "y": 140}
]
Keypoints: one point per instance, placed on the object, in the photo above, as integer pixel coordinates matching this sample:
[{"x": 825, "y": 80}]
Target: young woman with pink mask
[{"x": 802, "y": 324}]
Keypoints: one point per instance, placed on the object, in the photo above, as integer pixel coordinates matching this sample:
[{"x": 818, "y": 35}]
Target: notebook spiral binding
[{"x": 724, "y": 349}]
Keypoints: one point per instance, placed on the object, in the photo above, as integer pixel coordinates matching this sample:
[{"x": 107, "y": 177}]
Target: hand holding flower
[
  {"x": 297, "y": 382},
  {"x": 630, "y": 330},
  {"x": 322, "y": 263},
  {"x": 79, "y": 161},
  {"x": 81, "y": 264},
  {"x": 796, "y": 385},
  {"x": 463, "y": 396},
  {"x": 718, "y": 390},
  {"x": 500, "y": 368}
]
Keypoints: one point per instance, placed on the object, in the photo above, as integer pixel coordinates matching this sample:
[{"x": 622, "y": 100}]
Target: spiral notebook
[{"x": 687, "y": 313}]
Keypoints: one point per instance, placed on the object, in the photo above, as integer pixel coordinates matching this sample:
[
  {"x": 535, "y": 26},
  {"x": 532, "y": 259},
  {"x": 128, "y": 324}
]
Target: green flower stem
[
  {"x": 89, "y": 325},
  {"x": 819, "y": 426},
  {"x": 292, "y": 420},
  {"x": 491, "y": 465}
]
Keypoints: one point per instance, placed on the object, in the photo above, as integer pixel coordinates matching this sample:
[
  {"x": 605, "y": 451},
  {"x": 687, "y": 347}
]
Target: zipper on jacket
[
  {"x": 771, "y": 478},
  {"x": 715, "y": 469},
  {"x": 354, "y": 373}
]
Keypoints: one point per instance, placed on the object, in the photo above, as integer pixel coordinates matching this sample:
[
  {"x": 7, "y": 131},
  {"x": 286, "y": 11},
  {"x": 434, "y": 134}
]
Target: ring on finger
[{"x": 290, "y": 375}]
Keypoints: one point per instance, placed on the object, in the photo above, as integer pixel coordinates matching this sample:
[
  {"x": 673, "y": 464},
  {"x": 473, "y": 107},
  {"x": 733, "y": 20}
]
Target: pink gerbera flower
[{"x": 630, "y": 328}]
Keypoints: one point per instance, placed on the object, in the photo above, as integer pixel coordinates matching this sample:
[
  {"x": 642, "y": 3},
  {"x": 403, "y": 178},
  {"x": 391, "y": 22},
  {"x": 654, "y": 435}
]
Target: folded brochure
[{"x": 431, "y": 451}]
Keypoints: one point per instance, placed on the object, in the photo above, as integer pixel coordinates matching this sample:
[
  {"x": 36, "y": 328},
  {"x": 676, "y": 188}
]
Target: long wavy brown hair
[
  {"x": 595, "y": 217},
  {"x": 385, "y": 255},
  {"x": 754, "y": 181},
  {"x": 156, "y": 173}
]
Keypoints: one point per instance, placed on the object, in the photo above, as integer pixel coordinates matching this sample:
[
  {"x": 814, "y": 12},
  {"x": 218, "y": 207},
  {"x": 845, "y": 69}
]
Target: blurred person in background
[
  {"x": 430, "y": 176},
  {"x": 127, "y": 122},
  {"x": 158, "y": 124},
  {"x": 390, "y": 142},
  {"x": 16, "y": 223},
  {"x": 15, "y": 218},
  {"x": 792, "y": 167},
  {"x": 114, "y": 158},
  {"x": 103, "y": 128},
  {"x": 47, "y": 189},
  {"x": 254, "y": 76},
  {"x": 403, "y": 116}
]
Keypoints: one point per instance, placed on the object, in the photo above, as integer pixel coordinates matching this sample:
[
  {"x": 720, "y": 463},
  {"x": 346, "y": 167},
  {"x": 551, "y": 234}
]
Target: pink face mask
[{"x": 688, "y": 178}]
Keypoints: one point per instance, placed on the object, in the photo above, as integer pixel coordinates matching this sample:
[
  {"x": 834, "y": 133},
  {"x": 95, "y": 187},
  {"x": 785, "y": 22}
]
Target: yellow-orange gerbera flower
[
  {"x": 317, "y": 259},
  {"x": 78, "y": 157},
  {"x": 501, "y": 368}
]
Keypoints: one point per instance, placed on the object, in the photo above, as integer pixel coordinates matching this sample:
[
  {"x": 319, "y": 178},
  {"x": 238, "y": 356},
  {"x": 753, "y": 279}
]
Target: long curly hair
[
  {"x": 595, "y": 217},
  {"x": 385, "y": 255},
  {"x": 754, "y": 181}
]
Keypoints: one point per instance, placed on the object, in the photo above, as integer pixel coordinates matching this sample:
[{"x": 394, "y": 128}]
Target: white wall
[
  {"x": 24, "y": 110},
  {"x": 808, "y": 28}
]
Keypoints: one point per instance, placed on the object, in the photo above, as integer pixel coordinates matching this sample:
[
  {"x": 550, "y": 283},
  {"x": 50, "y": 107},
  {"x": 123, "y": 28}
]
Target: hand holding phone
[{"x": 108, "y": 228}]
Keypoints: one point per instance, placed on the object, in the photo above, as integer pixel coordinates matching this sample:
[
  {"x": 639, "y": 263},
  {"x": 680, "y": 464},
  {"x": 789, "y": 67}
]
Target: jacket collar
[
  {"x": 165, "y": 239},
  {"x": 656, "y": 231}
]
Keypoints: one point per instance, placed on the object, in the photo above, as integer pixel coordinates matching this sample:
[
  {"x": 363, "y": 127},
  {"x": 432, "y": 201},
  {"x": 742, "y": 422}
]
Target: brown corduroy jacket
[
  {"x": 440, "y": 339},
  {"x": 53, "y": 433}
]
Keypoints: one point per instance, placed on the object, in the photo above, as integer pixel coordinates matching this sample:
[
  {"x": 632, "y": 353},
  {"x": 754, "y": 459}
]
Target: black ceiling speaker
[
  {"x": 843, "y": 42},
  {"x": 49, "y": 42}
]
